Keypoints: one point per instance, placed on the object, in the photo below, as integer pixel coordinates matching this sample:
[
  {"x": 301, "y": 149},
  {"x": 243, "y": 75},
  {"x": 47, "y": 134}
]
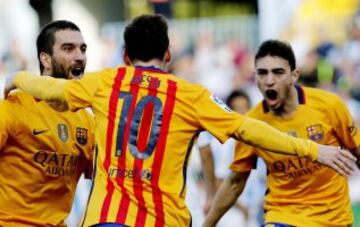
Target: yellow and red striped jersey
[
  {"x": 145, "y": 132},
  {"x": 42, "y": 155},
  {"x": 302, "y": 192}
]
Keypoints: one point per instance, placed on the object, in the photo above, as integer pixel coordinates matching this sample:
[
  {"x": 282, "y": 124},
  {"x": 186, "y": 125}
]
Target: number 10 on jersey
[{"x": 139, "y": 125}]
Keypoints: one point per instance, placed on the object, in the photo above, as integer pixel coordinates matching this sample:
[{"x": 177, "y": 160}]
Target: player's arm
[
  {"x": 226, "y": 197},
  {"x": 44, "y": 88},
  {"x": 262, "y": 135},
  {"x": 77, "y": 93},
  {"x": 207, "y": 163}
]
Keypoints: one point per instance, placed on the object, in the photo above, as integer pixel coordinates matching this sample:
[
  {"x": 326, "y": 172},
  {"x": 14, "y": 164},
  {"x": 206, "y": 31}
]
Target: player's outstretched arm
[
  {"x": 230, "y": 189},
  {"x": 262, "y": 135},
  {"x": 44, "y": 88}
]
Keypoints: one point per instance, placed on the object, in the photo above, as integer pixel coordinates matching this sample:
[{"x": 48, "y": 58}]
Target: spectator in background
[
  {"x": 318, "y": 71},
  {"x": 350, "y": 53},
  {"x": 244, "y": 78}
]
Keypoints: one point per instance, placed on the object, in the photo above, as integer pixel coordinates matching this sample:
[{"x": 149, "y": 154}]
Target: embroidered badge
[{"x": 315, "y": 132}]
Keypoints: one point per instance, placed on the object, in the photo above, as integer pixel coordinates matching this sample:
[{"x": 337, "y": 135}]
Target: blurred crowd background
[{"x": 213, "y": 43}]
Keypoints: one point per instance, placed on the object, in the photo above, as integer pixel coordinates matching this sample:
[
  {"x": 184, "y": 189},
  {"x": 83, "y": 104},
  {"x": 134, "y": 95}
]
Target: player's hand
[
  {"x": 341, "y": 160},
  {"x": 9, "y": 85}
]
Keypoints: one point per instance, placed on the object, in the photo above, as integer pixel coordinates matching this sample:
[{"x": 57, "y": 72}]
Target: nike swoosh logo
[{"x": 37, "y": 132}]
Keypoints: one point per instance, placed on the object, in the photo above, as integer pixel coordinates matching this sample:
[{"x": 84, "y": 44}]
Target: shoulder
[
  {"x": 188, "y": 90},
  {"x": 321, "y": 98},
  {"x": 98, "y": 75}
]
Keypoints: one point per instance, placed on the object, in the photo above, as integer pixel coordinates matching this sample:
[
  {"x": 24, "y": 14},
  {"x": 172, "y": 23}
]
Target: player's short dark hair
[
  {"x": 146, "y": 37},
  {"x": 277, "y": 48},
  {"x": 46, "y": 39},
  {"x": 237, "y": 94}
]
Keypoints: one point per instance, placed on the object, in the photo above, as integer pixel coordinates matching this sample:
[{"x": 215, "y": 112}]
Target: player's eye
[
  {"x": 261, "y": 72},
  {"x": 67, "y": 48},
  {"x": 83, "y": 49}
]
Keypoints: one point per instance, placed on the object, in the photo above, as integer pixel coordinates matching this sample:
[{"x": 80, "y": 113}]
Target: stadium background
[{"x": 213, "y": 42}]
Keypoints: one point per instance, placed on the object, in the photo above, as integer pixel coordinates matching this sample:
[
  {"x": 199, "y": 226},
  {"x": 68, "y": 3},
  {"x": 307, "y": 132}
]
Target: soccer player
[
  {"x": 301, "y": 191},
  {"x": 147, "y": 121},
  {"x": 44, "y": 147}
]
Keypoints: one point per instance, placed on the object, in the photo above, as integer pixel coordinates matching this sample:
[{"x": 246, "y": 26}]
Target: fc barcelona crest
[
  {"x": 81, "y": 135},
  {"x": 315, "y": 132},
  {"x": 63, "y": 132}
]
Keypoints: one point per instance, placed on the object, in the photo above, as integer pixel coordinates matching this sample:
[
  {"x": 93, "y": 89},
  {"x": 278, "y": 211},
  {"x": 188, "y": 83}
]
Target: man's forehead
[
  {"x": 272, "y": 62},
  {"x": 69, "y": 36}
]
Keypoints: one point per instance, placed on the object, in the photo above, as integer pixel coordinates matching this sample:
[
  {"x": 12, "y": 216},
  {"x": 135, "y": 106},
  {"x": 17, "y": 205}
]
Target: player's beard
[{"x": 59, "y": 71}]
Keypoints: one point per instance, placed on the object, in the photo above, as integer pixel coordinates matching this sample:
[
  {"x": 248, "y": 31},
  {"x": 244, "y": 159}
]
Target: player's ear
[
  {"x": 45, "y": 60},
  {"x": 126, "y": 58},
  {"x": 167, "y": 56},
  {"x": 295, "y": 75}
]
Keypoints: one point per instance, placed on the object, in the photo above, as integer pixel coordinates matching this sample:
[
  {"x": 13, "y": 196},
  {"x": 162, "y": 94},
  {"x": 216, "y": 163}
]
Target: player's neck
[
  {"x": 290, "y": 104},
  {"x": 153, "y": 62}
]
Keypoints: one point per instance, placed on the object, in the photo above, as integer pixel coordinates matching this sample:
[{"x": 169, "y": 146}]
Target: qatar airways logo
[
  {"x": 56, "y": 164},
  {"x": 130, "y": 173},
  {"x": 297, "y": 167}
]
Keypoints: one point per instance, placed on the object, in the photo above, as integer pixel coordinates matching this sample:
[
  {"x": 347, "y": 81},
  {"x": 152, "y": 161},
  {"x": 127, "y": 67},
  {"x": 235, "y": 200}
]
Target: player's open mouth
[
  {"x": 271, "y": 96},
  {"x": 77, "y": 71}
]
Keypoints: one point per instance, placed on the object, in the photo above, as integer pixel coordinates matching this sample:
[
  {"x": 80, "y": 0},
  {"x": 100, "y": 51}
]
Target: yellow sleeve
[
  {"x": 344, "y": 125},
  {"x": 214, "y": 116},
  {"x": 245, "y": 158},
  {"x": 262, "y": 135},
  {"x": 41, "y": 87},
  {"x": 79, "y": 94}
]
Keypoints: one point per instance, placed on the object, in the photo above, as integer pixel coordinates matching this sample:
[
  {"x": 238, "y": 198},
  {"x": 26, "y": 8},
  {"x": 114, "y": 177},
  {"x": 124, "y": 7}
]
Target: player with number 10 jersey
[{"x": 146, "y": 105}]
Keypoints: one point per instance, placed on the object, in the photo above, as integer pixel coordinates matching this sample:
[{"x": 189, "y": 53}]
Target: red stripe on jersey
[
  {"x": 125, "y": 198},
  {"x": 109, "y": 135},
  {"x": 145, "y": 127},
  {"x": 159, "y": 153},
  {"x": 147, "y": 116},
  {"x": 138, "y": 163}
]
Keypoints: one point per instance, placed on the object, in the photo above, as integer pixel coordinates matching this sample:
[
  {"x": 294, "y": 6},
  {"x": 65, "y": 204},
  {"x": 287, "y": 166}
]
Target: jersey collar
[{"x": 150, "y": 68}]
